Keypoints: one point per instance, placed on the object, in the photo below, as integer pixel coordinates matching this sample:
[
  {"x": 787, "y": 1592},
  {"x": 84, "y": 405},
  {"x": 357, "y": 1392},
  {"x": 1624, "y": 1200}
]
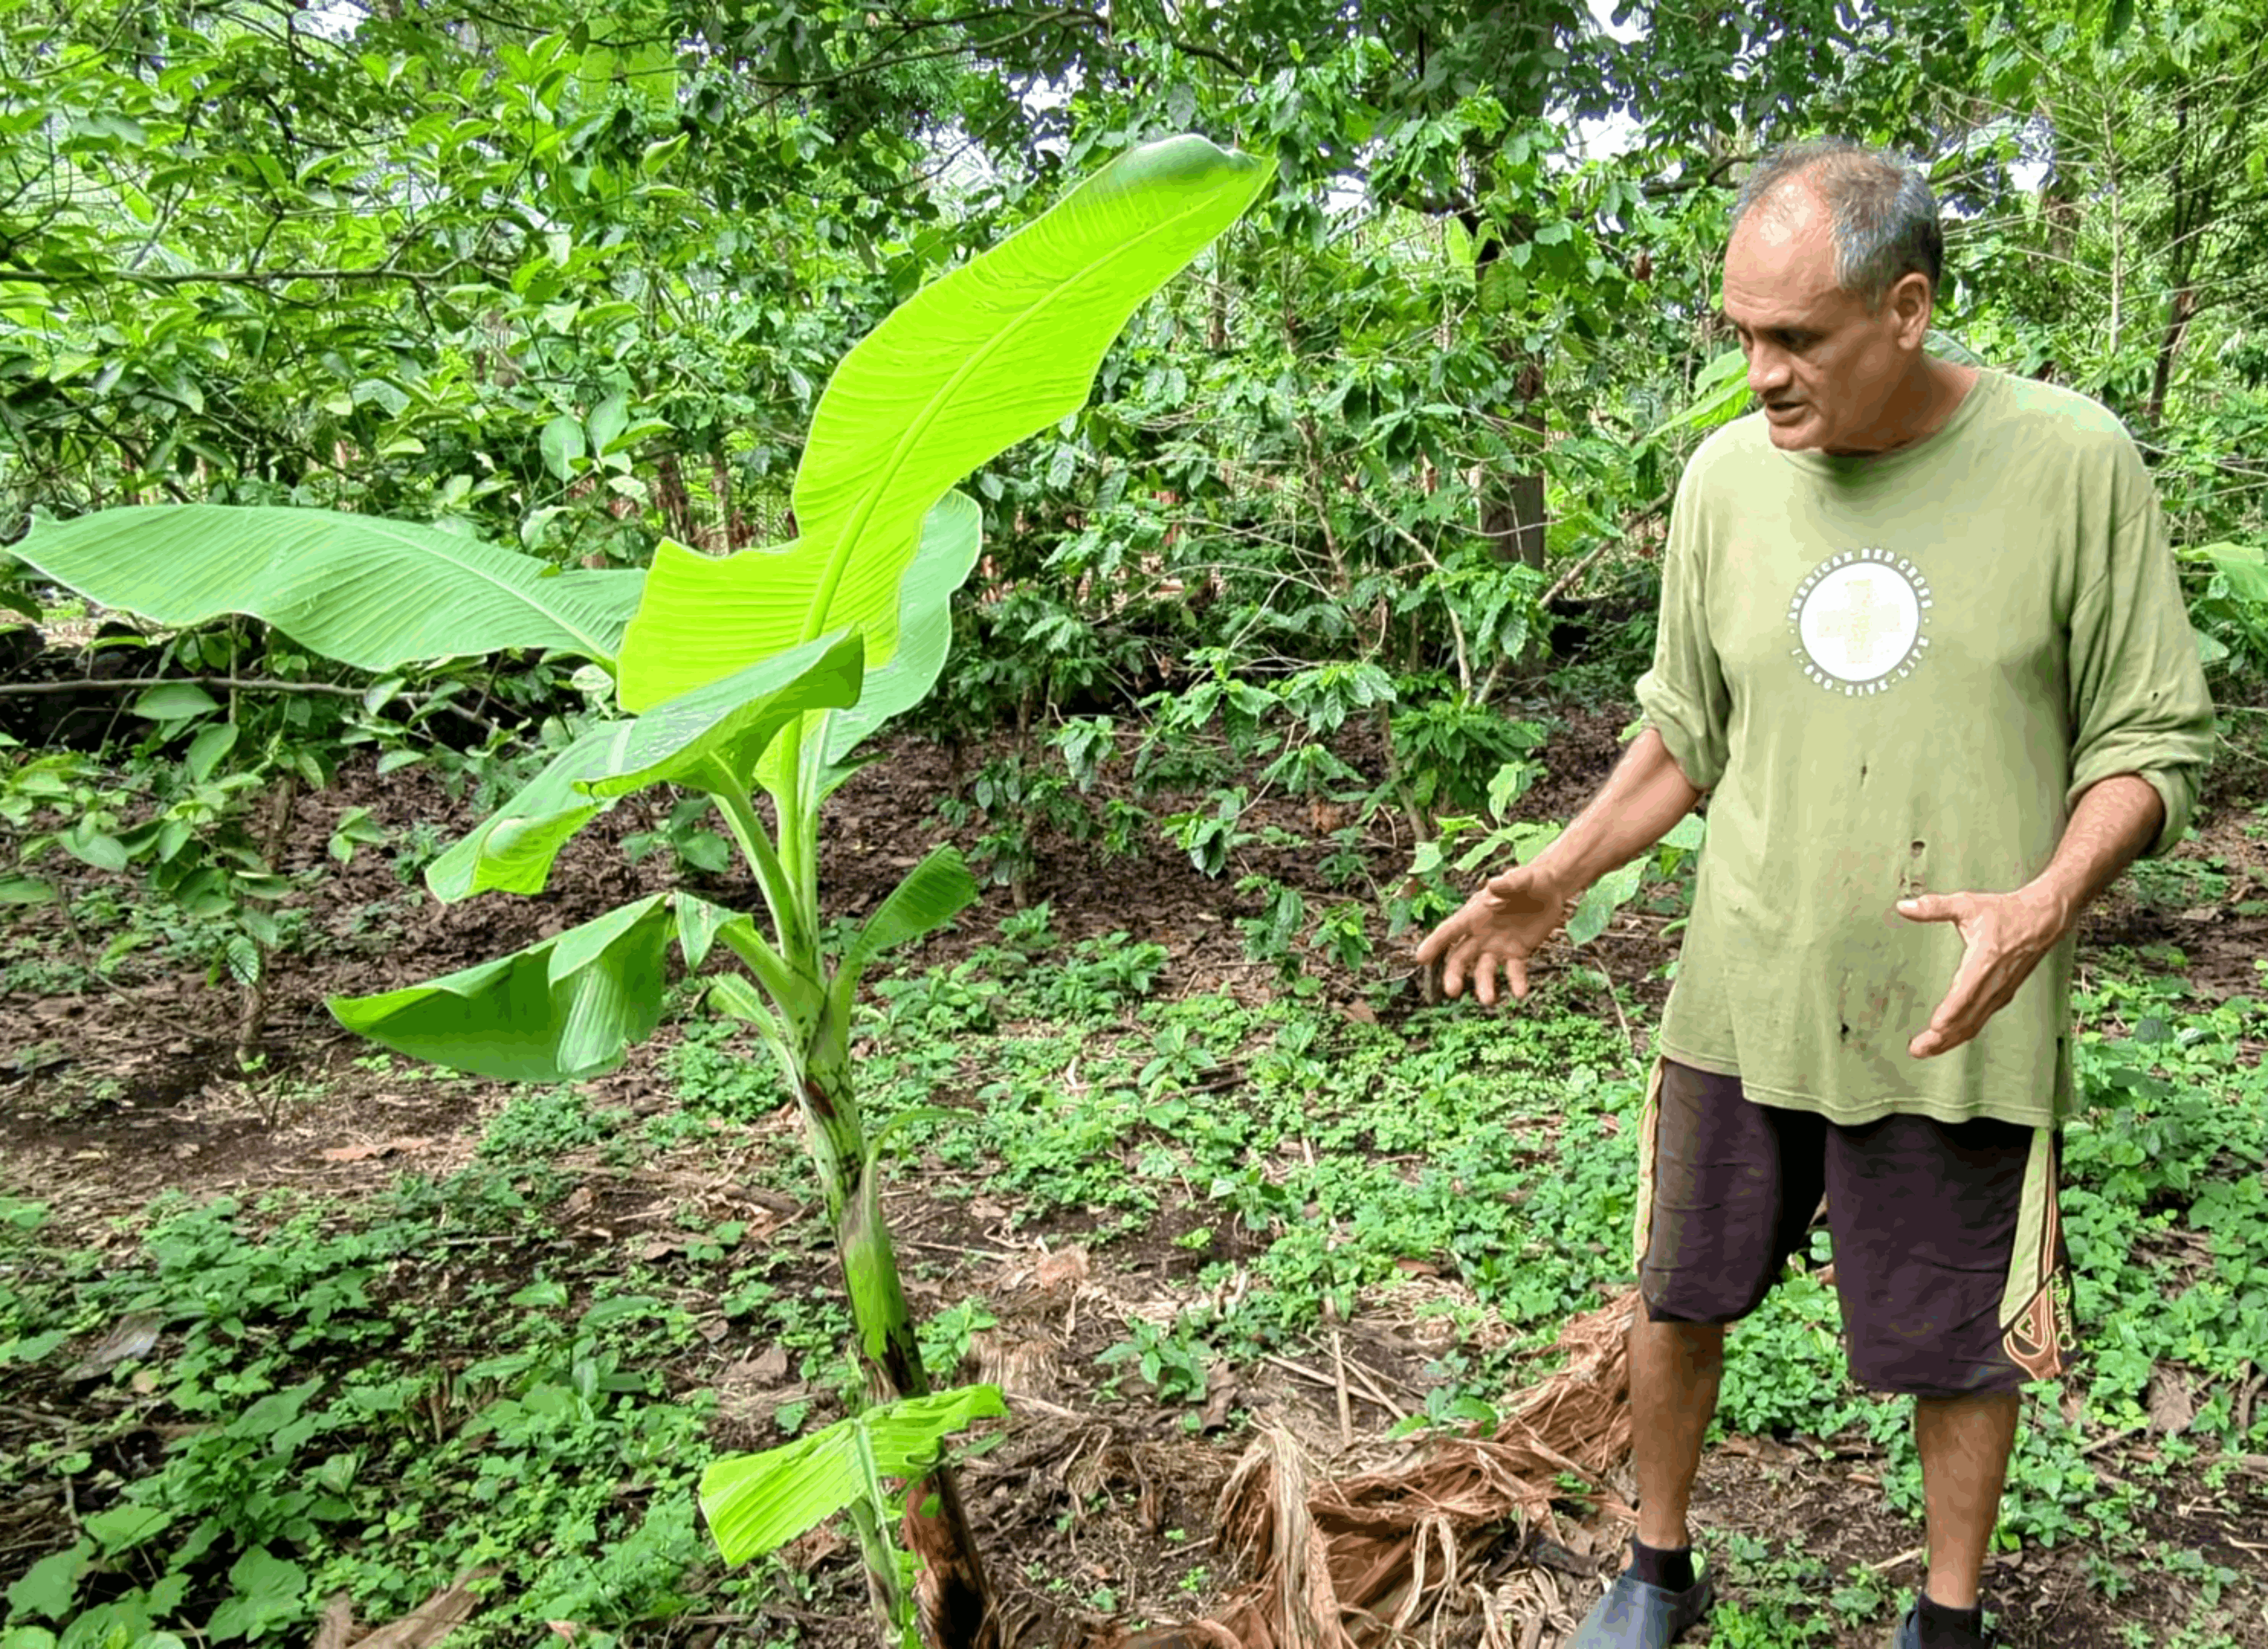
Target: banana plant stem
[
  {"x": 793, "y": 816},
  {"x": 769, "y": 968},
  {"x": 882, "y": 1591},
  {"x": 797, "y": 937},
  {"x": 956, "y": 1600}
]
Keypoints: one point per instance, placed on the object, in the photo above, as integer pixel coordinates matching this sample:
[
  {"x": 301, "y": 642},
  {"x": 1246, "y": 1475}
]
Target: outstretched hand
[
  {"x": 1500, "y": 927},
  {"x": 2007, "y": 935}
]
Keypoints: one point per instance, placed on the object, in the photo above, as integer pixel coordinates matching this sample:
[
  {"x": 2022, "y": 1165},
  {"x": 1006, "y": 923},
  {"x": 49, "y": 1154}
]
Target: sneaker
[{"x": 1636, "y": 1615}]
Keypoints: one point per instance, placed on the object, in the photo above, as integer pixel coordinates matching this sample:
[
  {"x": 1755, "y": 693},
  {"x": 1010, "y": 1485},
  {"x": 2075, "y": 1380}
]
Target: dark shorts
[{"x": 1949, "y": 1258}]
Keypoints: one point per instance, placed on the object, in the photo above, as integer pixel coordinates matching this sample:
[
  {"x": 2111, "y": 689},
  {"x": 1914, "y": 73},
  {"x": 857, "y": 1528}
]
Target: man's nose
[{"x": 1767, "y": 371}]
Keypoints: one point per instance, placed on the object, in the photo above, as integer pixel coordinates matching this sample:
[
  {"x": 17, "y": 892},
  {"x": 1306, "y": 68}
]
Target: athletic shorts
[{"x": 1949, "y": 1258}]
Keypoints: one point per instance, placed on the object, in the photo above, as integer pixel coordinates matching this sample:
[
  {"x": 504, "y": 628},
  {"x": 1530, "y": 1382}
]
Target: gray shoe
[{"x": 1636, "y": 1615}]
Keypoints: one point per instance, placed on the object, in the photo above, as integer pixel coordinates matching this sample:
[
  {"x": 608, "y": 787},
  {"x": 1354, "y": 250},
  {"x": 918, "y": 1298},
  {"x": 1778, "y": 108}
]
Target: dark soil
[{"x": 110, "y": 1097}]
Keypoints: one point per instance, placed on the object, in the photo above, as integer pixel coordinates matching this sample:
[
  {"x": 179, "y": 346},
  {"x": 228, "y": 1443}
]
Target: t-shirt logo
[{"x": 1861, "y": 621}]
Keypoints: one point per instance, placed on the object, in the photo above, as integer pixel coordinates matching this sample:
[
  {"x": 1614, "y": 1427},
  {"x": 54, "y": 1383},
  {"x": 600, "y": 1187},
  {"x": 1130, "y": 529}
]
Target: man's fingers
[
  {"x": 1469, "y": 947},
  {"x": 1451, "y": 930},
  {"x": 1948, "y": 1027},
  {"x": 1968, "y": 1004},
  {"x": 1484, "y": 979}
]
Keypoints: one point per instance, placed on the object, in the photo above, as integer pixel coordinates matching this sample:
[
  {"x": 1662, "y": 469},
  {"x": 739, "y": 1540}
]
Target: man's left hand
[{"x": 2006, "y": 934}]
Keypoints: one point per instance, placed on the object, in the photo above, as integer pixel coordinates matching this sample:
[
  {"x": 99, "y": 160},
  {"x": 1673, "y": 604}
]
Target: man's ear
[{"x": 1909, "y": 301}]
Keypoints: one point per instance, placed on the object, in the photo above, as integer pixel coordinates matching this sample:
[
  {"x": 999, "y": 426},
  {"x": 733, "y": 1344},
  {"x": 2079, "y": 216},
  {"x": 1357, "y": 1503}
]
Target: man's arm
[
  {"x": 1507, "y": 921},
  {"x": 2114, "y": 822},
  {"x": 1640, "y": 803},
  {"x": 2006, "y": 934}
]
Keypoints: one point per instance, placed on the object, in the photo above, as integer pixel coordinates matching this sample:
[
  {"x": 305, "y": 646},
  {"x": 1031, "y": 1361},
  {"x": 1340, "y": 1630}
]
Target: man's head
[{"x": 1829, "y": 278}]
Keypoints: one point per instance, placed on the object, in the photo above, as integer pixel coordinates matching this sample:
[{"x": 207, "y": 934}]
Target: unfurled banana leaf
[
  {"x": 564, "y": 1009},
  {"x": 363, "y": 590},
  {"x": 706, "y": 740},
  {"x": 980, "y": 358}
]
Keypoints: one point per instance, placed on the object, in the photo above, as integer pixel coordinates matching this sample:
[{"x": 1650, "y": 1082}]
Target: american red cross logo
[
  {"x": 1857, "y": 616},
  {"x": 1859, "y": 622}
]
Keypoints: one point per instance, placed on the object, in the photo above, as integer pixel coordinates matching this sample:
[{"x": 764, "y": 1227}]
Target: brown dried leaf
[
  {"x": 2170, "y": 1406},
  {"x": 130, "y": 1339},
  {"x": 808, "y": 1551},
  {"x": 1223, "y": 1398},
  {"x": 337, "y": 1628},
  {"x": 378, "y": 1148},
  {"x": 1065, "y": 1266},
  {"x": 430, "y": 1621}
]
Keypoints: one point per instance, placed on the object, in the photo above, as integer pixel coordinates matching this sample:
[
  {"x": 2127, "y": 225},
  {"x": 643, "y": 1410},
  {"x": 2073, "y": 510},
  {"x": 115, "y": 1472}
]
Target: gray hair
[{"x": 1884, "y": 216}]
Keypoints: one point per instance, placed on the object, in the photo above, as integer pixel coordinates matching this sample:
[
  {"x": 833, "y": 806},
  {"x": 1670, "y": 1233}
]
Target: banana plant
[{"x": 761, "y": 670}]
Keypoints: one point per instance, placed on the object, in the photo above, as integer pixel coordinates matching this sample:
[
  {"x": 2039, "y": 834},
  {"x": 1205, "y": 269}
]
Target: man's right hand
[{"x": 1501, "y": 926}]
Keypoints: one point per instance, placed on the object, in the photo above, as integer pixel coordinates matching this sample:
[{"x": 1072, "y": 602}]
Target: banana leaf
[
  {"x": 705, "y": 739},
  {"x": 980, "y": 358},
  {"x": 561, "y": 1010},
  {"x": 370, "y": 593}
]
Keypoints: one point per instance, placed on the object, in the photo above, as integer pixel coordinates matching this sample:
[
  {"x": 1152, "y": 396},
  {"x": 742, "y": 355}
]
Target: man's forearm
[
  {"x": 2115, "y": 820},
  {"x": 1642, "y": 800}
]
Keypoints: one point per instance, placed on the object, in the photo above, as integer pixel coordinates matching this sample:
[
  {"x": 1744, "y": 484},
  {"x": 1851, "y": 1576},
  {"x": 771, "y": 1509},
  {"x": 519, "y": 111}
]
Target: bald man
[{"x": 1922, "y": 645}]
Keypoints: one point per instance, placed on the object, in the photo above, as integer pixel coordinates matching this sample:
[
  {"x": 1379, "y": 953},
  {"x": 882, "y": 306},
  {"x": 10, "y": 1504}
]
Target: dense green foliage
[{"x": 570, "y": 282}]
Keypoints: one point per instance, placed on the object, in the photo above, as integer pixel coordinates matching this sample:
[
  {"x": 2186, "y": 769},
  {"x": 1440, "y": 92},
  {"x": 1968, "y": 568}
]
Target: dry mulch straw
[{"x": 1360, "y": 1562}]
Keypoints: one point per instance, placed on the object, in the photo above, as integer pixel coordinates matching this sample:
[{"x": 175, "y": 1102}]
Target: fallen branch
[{"x": 2109, "y": 1438}]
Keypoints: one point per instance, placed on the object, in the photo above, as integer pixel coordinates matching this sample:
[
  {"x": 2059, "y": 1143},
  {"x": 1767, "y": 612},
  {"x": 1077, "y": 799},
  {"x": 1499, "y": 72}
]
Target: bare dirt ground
[{"x": 110, "y": 1097}]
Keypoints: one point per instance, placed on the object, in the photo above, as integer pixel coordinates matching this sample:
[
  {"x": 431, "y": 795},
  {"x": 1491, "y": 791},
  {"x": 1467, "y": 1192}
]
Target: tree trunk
[
  {"x": 1512, "y": 513},
  {"x": 1511, "y": 507},
  {"x": 952, "y": 1598},
  {"x": 2177, "y": 325},
  {"x": 677, "y": 504}
]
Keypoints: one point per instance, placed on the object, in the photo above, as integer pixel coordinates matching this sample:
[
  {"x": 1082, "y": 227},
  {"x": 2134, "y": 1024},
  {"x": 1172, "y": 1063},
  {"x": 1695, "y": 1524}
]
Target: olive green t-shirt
[{"x": 1896, "y": 674}]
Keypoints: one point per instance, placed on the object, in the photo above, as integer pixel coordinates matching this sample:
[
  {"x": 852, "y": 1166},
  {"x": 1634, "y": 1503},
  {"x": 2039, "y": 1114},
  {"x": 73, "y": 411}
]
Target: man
[{"x": 1922, "y": 645}]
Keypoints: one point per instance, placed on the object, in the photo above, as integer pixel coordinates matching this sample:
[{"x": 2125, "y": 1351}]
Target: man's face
[{"x": 1823, "y": 368}]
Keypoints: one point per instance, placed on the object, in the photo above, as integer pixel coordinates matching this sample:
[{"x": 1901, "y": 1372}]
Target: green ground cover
[{"x": 371, "y": 1395}]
